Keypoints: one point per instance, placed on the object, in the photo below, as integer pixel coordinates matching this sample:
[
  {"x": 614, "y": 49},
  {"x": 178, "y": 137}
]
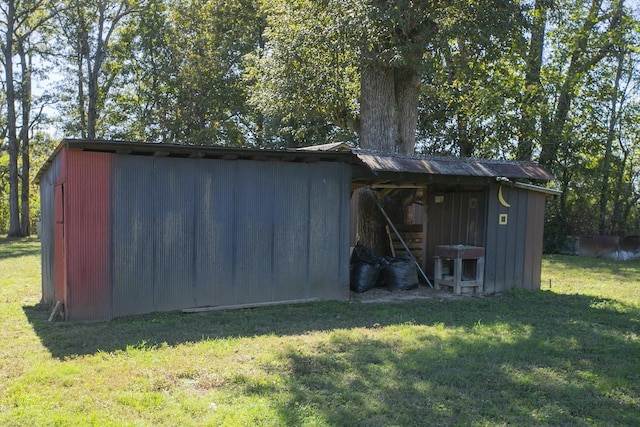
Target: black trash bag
[
  {"x": 400, "y": 273},
  {"x": 364, "y": 254},
  {"x": 365, "y": 268}
]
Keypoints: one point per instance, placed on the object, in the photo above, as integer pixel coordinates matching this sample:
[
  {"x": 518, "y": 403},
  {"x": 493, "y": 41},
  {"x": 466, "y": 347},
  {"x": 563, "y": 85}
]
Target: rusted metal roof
[
  {"x": 451, "y": 166},
  {"x": 326, "y": 153},
  {"x": 375, "y": 162}
]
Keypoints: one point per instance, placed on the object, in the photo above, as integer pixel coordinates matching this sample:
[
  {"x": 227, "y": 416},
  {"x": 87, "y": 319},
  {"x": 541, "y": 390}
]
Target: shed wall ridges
[
  {"x": 47, "y": 224},
  {"x": 174, "y": 232},
  {"x": 86, "y": 235},
  {"x": 214, "y": 228},
  {"x": 513, "y": 251},
  {"x": 215, "y": 232},
  {"x": 254, "y": 230},
  {"x": 133, "y": 235},
  {"x": 329, "y": 230},
  {"x": 291, "y": 223}
]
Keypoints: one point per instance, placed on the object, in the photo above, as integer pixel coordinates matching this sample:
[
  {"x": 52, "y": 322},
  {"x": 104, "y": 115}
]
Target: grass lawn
[{"x": 567, "y": 355}]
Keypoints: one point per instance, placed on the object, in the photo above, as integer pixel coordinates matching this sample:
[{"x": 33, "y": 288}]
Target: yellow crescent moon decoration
[{"x": 501, "y": 199}]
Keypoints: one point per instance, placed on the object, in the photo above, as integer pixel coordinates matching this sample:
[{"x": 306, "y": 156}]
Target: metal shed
[
  {"x": 136, "y": 228},
  {"x": 492, "y": 204},
  {"x": 133, "y": 228}
]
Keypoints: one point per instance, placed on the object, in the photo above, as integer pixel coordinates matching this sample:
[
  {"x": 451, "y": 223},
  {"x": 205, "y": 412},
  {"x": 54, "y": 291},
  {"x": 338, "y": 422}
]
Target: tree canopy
[{"x": 552, "y": 81}]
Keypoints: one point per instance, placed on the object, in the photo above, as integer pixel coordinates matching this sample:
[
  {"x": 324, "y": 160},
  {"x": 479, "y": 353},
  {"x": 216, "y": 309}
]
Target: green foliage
[
  {"x": 40, "y": 148},
  {"x": 304, "y": 77},
  {"x": 276, "y": 73},
  {"x": 184, "y": 82}
]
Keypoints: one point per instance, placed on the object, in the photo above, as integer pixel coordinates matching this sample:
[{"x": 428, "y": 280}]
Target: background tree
[
  {"x": 89, "y": 31},
  {"x": 8, "y": 41},
  {"x": 177, "y": 73},
  {"x": 471, "y": 85},
  {"x": 386, "y": 44},
  {"x": 526, "y": 79},
  {"x": 590, "y": 39},
  {"x": 533, "y": 105},
  {"x": 23, "y": 36},
  {"x": 304, "y": 76},
  {"x": 4, "y": 191},
  {"x": 205, "y": 98},
  {"x": 589, "y": 35}
]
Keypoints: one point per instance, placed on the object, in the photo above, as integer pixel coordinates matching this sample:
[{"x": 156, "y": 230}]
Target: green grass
[{"x": 565, "y": 356}]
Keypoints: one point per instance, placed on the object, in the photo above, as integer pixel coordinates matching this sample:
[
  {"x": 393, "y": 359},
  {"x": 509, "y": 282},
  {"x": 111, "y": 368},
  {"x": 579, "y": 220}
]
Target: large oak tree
[{"x": 382, "y": 43}]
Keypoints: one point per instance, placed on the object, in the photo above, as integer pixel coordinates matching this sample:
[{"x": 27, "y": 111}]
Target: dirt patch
[{"x": 377, "y": 295}]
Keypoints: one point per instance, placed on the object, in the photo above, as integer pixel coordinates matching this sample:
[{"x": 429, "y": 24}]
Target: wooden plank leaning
[{"x": 395, "y": 230}]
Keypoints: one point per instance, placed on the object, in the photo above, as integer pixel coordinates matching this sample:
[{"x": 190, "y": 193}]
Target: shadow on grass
[
  {"x": 470, "y": 382},
  {"x": 627, "y": 269},
  {"x": 564, "y": 360},
  {"x": 18, "y": 247},
  {"x": 543, "y": 310},
  {"x": 521, "y": 358}
]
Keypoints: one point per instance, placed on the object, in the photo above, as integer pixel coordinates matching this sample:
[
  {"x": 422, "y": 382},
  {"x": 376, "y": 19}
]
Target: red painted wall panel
[
  {"x": 59, "y": 258},
  {"x": 86, "y": 228}
]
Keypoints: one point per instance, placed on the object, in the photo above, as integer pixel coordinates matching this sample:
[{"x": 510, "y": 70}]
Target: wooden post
[
  {"x": 55, "y": 311},
  {"x": 425, "y": 220}
]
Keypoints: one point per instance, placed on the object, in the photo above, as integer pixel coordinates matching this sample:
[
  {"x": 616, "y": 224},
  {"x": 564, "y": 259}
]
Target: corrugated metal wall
[
  {"x": 328, "y": 240},
  {"x": 86, "y": 235},
  {"x": 514, "y": 250},
  {"x": 47, "y": 229},
  {"x": 133, "y": 235},
  {"x": 190, "y": 233}
]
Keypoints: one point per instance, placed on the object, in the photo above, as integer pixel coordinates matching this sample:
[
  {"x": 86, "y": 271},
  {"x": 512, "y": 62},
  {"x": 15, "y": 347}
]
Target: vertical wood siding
[
  {"x": 458, "y": 220},
  {"x": 514, "y": 250},
  {"x": 534, "y": 240}
]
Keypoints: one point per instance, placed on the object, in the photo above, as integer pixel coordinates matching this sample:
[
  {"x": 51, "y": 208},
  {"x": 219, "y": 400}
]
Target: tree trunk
[
  {"x": 606, "y": 161},
  {"x": 25, "y": 98},
  {"x": 82, "y": 40},
  {"x": 371, "y": 223},
  {"x": 465, "y": 144},
  {"x": 378, "y": 110},
  {"x": 624, "y": 194},
  {"x": 92, "y": 111},
  {"x": 14, "y": 208},
  {"x": 407, "y": 85},
  {"x": 388, "y": 120},
  {"x": 579, "y": 64},
  {"x": 533, "y": 98}
]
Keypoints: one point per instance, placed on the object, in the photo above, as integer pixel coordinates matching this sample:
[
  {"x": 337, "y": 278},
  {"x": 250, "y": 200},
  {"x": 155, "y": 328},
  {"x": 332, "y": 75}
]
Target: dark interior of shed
[{"x": 440, "y": 215}]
